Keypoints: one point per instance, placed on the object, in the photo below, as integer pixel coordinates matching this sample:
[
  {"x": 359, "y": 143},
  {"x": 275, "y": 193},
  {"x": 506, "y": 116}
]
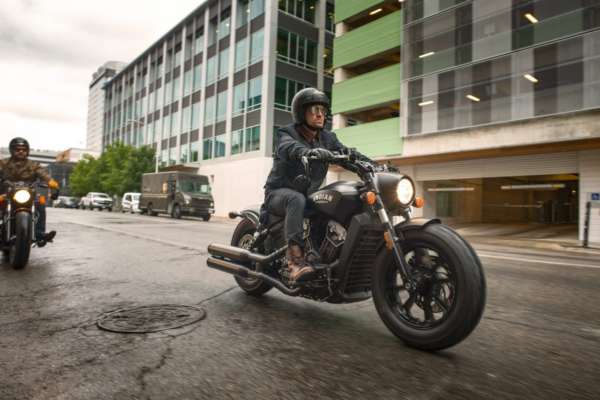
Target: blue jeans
[
  {"x": 290, "y": 204},
  {"x": 40, "y": 224}
]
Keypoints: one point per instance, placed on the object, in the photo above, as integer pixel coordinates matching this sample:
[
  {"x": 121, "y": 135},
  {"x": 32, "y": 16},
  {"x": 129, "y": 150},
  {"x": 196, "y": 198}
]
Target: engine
[{"x": 331, "y": 245}]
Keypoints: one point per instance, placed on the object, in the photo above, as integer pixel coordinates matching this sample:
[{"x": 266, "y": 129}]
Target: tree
[{"x": 118, "y": 170}]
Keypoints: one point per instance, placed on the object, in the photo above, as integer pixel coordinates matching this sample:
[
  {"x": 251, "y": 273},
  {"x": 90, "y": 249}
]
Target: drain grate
[{"x": 148, "y": 319}]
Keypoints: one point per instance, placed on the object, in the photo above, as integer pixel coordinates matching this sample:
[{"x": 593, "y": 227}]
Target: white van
[{"x": 130, "y": 203}]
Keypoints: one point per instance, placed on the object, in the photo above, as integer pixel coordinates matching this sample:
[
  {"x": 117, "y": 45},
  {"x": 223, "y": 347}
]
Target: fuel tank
[{"x": 339, "y": 200}]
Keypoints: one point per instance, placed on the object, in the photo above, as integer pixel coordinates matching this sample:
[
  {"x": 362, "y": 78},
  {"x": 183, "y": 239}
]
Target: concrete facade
[{"x": 95, "y": 115}]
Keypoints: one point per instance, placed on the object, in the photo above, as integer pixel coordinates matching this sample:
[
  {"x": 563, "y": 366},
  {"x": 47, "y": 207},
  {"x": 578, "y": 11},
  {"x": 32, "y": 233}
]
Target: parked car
[
  {"x": 177, "y": 193},
  {"x": 95, "y": 200},
  {"x": 66, "y": 202},
  {"x": 131, "y": 203}
]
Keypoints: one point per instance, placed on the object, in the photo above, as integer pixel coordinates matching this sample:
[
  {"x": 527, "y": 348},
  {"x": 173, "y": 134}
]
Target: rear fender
[{"x": 251, "y": 214}]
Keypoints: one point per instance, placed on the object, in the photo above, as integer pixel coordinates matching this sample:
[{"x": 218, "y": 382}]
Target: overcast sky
[{"x": 49, "y": 50}]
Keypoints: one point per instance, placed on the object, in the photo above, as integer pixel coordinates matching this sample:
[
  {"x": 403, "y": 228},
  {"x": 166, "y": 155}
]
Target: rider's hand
[
  {"x": 320, "y": 154},
  {"x": 52, "y": 184}
]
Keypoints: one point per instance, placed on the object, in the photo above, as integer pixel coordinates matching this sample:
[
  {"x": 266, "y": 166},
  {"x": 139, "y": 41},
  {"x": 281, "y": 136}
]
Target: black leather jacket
[{"x": 290, "y": 148}]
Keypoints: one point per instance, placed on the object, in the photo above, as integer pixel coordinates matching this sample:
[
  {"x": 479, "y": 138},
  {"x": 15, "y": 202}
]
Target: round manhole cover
[{"x": 148, "y": 319}]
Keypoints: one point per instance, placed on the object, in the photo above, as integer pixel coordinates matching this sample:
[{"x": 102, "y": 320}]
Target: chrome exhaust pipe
[
  {"x": 243, "y": 272},
  {"x": 242, "y": 255}
]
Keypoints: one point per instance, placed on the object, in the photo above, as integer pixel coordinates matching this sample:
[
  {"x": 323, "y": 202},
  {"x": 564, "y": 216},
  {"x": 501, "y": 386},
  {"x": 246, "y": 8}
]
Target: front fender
[{"x": 417, "y": 223}]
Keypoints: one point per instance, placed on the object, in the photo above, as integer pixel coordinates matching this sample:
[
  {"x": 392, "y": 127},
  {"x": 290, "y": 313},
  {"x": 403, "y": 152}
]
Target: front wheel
[
  {"x": 20, "y": 249},
  {"x": 243, "y": 237},
  {"x": 176, "y": 212},
  {"x": 206, "y": 217},
  {"x": 448, "y": 300}
]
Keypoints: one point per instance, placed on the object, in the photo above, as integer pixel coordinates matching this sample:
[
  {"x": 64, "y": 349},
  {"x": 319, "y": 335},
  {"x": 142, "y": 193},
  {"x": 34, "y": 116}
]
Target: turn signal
[
  {"x": 370, "y": 198},
  {"x": 389, "y": 242},
  {"x": 43, "y": 200},
  {"x": 419, "y": 202}
]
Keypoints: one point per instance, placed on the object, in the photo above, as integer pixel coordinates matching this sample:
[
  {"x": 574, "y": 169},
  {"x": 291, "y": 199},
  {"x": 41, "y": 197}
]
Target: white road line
[{"x": 566, "y": 263}]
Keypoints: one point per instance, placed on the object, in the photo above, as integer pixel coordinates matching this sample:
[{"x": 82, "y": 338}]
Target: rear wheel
[
  {"x": 20, "y": 249},
  {"x": 176, "y": 212},
  {"x": 450, "y": 292},
  {"x": 243, "y": 238},
  {"x": 151, "y": 211}
]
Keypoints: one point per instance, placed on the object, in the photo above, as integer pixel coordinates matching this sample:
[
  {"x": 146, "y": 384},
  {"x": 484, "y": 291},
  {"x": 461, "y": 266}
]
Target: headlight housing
[
  {"x": 22, "y": 196},
  {"x": 187, "y": 198},
  {"x": 405, "y": 192}
]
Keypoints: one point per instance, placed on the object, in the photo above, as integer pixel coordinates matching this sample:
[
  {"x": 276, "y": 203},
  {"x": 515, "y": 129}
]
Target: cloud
[{"x": 50, "y": 49}]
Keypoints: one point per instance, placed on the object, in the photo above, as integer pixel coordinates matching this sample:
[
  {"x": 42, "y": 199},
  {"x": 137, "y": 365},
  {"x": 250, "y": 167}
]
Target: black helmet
[
  {"x": 304, "y": 98},
  {"x": 18, "y": 141}
]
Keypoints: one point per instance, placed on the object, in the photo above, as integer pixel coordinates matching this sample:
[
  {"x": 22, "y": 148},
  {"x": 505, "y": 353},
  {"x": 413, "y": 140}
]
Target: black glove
[{"x": 320, "y": 154}]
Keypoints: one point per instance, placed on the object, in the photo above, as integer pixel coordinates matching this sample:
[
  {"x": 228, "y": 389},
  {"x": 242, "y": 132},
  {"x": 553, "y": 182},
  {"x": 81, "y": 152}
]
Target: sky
[{"x": 49, "y": 50}]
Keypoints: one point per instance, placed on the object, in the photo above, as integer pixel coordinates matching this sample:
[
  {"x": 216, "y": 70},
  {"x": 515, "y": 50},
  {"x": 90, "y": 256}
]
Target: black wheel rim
[
  {"x": 245, "y": 242},
  {"x": 433, "y": 300}
]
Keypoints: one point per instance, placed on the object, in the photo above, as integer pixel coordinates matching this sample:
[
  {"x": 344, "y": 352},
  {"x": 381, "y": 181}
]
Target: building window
[
  {"x": 252, "y": 139},
  {"x": 194, "y": 152},
  {"x": 285, "y": 90},
  {"x": 195, "y": 116},
  {"x": 223, "y": 63},
  {"x": 211, "y": 70},
  {"x": 168, "y": 93},
  {"x": 296, "y": 49},
  {"x": 175, "y": 124},
  {"x": 254, "y": 93},
  {"x": 184, "y": 155},
  {"x": 199, "y": 43},
  {"x": 256, "y": 46},
  {"x": 303, "y": 9},
  {"x": 221, "y": 106},
  {"x": 177, "y": 57},
  {"x": 330, "y": 18},
  {"x": 164, "y": 157},
  {"x": 241, "y": 54},
  {"x": 187, "y": 82},
  {"x": 176, "y": 88},
  {"x": 220, "y": 146},
  {"x": 166, "y": 127},
  {"x": 328, "y": 61},
  {"x": 224, "y": 25},
  {"x": 207, "y": 149},
  {"x": 237, "y": 144},
  {"x": 212, "y": 31},
  {"x": 197, "y": 77},
  {"x": 239, "y": 99},
  {"x": 209, "y": 111},
  {"x": 186, "y": 122}
]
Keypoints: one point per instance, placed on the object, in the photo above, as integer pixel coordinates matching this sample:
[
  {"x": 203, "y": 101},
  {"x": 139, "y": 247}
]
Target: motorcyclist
[
  {"x": 18, "y": 168},
  {"x": 283, "y": 196}
]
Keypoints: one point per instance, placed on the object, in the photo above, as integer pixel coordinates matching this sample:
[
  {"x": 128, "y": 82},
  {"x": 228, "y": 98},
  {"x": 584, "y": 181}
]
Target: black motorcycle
[
  {"x": 19, "y": 215},
  {"x": 427, "y": 282}
]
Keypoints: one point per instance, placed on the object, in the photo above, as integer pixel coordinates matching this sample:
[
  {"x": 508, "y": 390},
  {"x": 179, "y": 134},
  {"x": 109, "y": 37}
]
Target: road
[{"x": 539, "y": 337}]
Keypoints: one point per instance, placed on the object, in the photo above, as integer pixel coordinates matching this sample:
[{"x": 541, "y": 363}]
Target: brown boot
[{"x": 300, "y": 270}]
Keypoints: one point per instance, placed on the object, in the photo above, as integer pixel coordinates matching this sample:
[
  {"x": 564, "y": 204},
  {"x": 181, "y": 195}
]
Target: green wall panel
[
  {"x": 345, "y": 9},
  {"x": 371, "y": 39},
  {"x": 375, "y": 139},
  {"x": 367, "y": 90}
]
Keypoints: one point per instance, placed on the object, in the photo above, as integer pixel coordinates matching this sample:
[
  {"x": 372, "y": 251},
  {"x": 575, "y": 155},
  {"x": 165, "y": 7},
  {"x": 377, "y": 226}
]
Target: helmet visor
[{"x": 317, "y": 109}]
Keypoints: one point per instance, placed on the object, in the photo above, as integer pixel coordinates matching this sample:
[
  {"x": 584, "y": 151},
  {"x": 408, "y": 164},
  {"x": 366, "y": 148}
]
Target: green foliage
[{"x": 118, "y": 170}]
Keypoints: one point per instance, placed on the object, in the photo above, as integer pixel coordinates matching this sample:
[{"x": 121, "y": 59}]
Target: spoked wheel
[
  {"x": 447, "y": 297},
  {"x": 243, "y": 237}
]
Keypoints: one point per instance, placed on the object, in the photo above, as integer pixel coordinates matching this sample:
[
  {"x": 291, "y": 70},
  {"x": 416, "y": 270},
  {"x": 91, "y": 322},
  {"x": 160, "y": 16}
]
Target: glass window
[
  {"x": 197, "y": 77},
  {"x": 220, "y": 146},
  {"x": 175, "y": 124},
  {"x": 168, "y": 93},
  {"x": 194, "y": 152},
  {"x": 187, "y": 82},
  {"x": 241, "y": 54},
  {"x": 177, "y": 58},
  {"x": 223, "y": 63},
  {"x": 184, "y": 155},
  {"x": 207, "y": 149},
  {"x": 330, "y": 18},
  {"x": 257, "y": 7},
  {"x": 224, "y": 25},
  {"x": 211, "y": 70},
  {"x": 164, "y": 157},
  {"x": 159, "y": 98},
  {"x": 221, "y": 106},
  {"x": 256, "y": 46},
  {"x": 304, "y": 9},
  {"x": 166, "y": 128},
  {"x": 236, "y": 141},
  {"x": 195, "y": 124},
  {"x": 282, "y": 43},
  {"x": 252, "y": 139},
  {"x": 296, "y": 49},
  {"x": 199, "y": 44},
  {"x": 212, "y": 31},
  {"x": 239, "y": 99},
  {"x": 243, "y": 12},
  {"x": 254, "y": 93},
  {"x": 186, "y": 122},
  {"x": 209, "y": 111},
  {"x": 176, "y": 88},
  {"x": 280, "y": 92}
]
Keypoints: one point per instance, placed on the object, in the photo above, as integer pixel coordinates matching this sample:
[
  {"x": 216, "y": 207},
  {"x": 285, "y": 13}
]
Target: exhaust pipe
[
  {"x": 243, "y": 272},
  {"x": 242, "y": 255}
]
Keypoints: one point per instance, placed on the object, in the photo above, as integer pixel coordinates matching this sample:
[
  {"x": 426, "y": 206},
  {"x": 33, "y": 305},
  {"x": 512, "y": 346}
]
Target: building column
[
  {"x": 589, "y": 181},
  {"x": 268, "y": 77}
]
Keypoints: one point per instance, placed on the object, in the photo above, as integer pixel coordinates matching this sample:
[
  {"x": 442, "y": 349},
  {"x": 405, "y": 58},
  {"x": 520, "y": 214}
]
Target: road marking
[{"x": 566, "y": 263}]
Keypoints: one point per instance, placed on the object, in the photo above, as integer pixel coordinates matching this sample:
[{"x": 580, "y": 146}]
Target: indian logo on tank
[{"x": 322, "y": 197}]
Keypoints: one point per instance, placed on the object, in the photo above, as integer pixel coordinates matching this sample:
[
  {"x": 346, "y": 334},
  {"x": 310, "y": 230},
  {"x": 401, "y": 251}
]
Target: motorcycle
[
  {"x": 19, "y": 216},
  {"x": 426, "y": 281}
]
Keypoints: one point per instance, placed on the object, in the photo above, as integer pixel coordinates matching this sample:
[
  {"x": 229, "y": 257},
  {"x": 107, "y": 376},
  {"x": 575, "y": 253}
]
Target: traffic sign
[{"x": 595, "y": 196}]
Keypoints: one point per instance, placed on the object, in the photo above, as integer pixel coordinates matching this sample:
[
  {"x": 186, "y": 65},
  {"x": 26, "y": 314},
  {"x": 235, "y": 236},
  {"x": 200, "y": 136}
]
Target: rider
[
  {"x": 283, "y": 196},
  {"x": 18, "y": 168}
]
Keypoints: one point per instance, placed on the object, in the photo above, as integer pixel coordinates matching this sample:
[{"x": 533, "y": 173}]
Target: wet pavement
[{"x": 539, "y": 337}]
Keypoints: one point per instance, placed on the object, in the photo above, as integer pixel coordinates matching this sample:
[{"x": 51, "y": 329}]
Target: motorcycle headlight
[
  {"x": 405, "y": 192},
  {"x": 22, "y": 196}
]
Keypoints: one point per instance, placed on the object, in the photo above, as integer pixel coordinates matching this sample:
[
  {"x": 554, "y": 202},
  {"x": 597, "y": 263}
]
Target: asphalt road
[{"x": 539, "y": 337}]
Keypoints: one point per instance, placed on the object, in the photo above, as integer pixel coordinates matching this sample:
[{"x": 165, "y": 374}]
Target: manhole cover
[{"x": 148, "y": 319}]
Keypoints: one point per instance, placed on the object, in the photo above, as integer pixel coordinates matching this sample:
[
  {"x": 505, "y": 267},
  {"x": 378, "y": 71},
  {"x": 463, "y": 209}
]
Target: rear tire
[
  {"x": 19, "y": 251},
  {"x": 459, "y": 295},
  {"x": 206, "y": 218},
  {"x": 176, "y": 212},
  {"x": 241, "y": 236},
  {"x": 150, "y": 211}
]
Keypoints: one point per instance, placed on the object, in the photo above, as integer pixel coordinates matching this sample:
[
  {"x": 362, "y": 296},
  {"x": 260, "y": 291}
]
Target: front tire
[
  {"x": 451, "y": 286},
  {"x": 206, "y": 218},
  {"x": 176, "y": 212},
  {"x": 242, "y": 237},
  {"x": 19, "y": 251}
]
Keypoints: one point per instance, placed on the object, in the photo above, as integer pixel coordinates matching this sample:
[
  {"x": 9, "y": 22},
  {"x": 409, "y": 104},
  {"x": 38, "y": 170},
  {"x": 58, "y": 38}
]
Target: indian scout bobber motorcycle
[
  {"x": 427, "y": 282},
  {"x": 17, "y": 230}
]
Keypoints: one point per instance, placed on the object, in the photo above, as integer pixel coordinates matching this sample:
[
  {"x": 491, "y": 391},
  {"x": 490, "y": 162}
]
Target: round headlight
[
  {"x": 405, "y": 191},
  {"x": 22, "y": 196}
]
